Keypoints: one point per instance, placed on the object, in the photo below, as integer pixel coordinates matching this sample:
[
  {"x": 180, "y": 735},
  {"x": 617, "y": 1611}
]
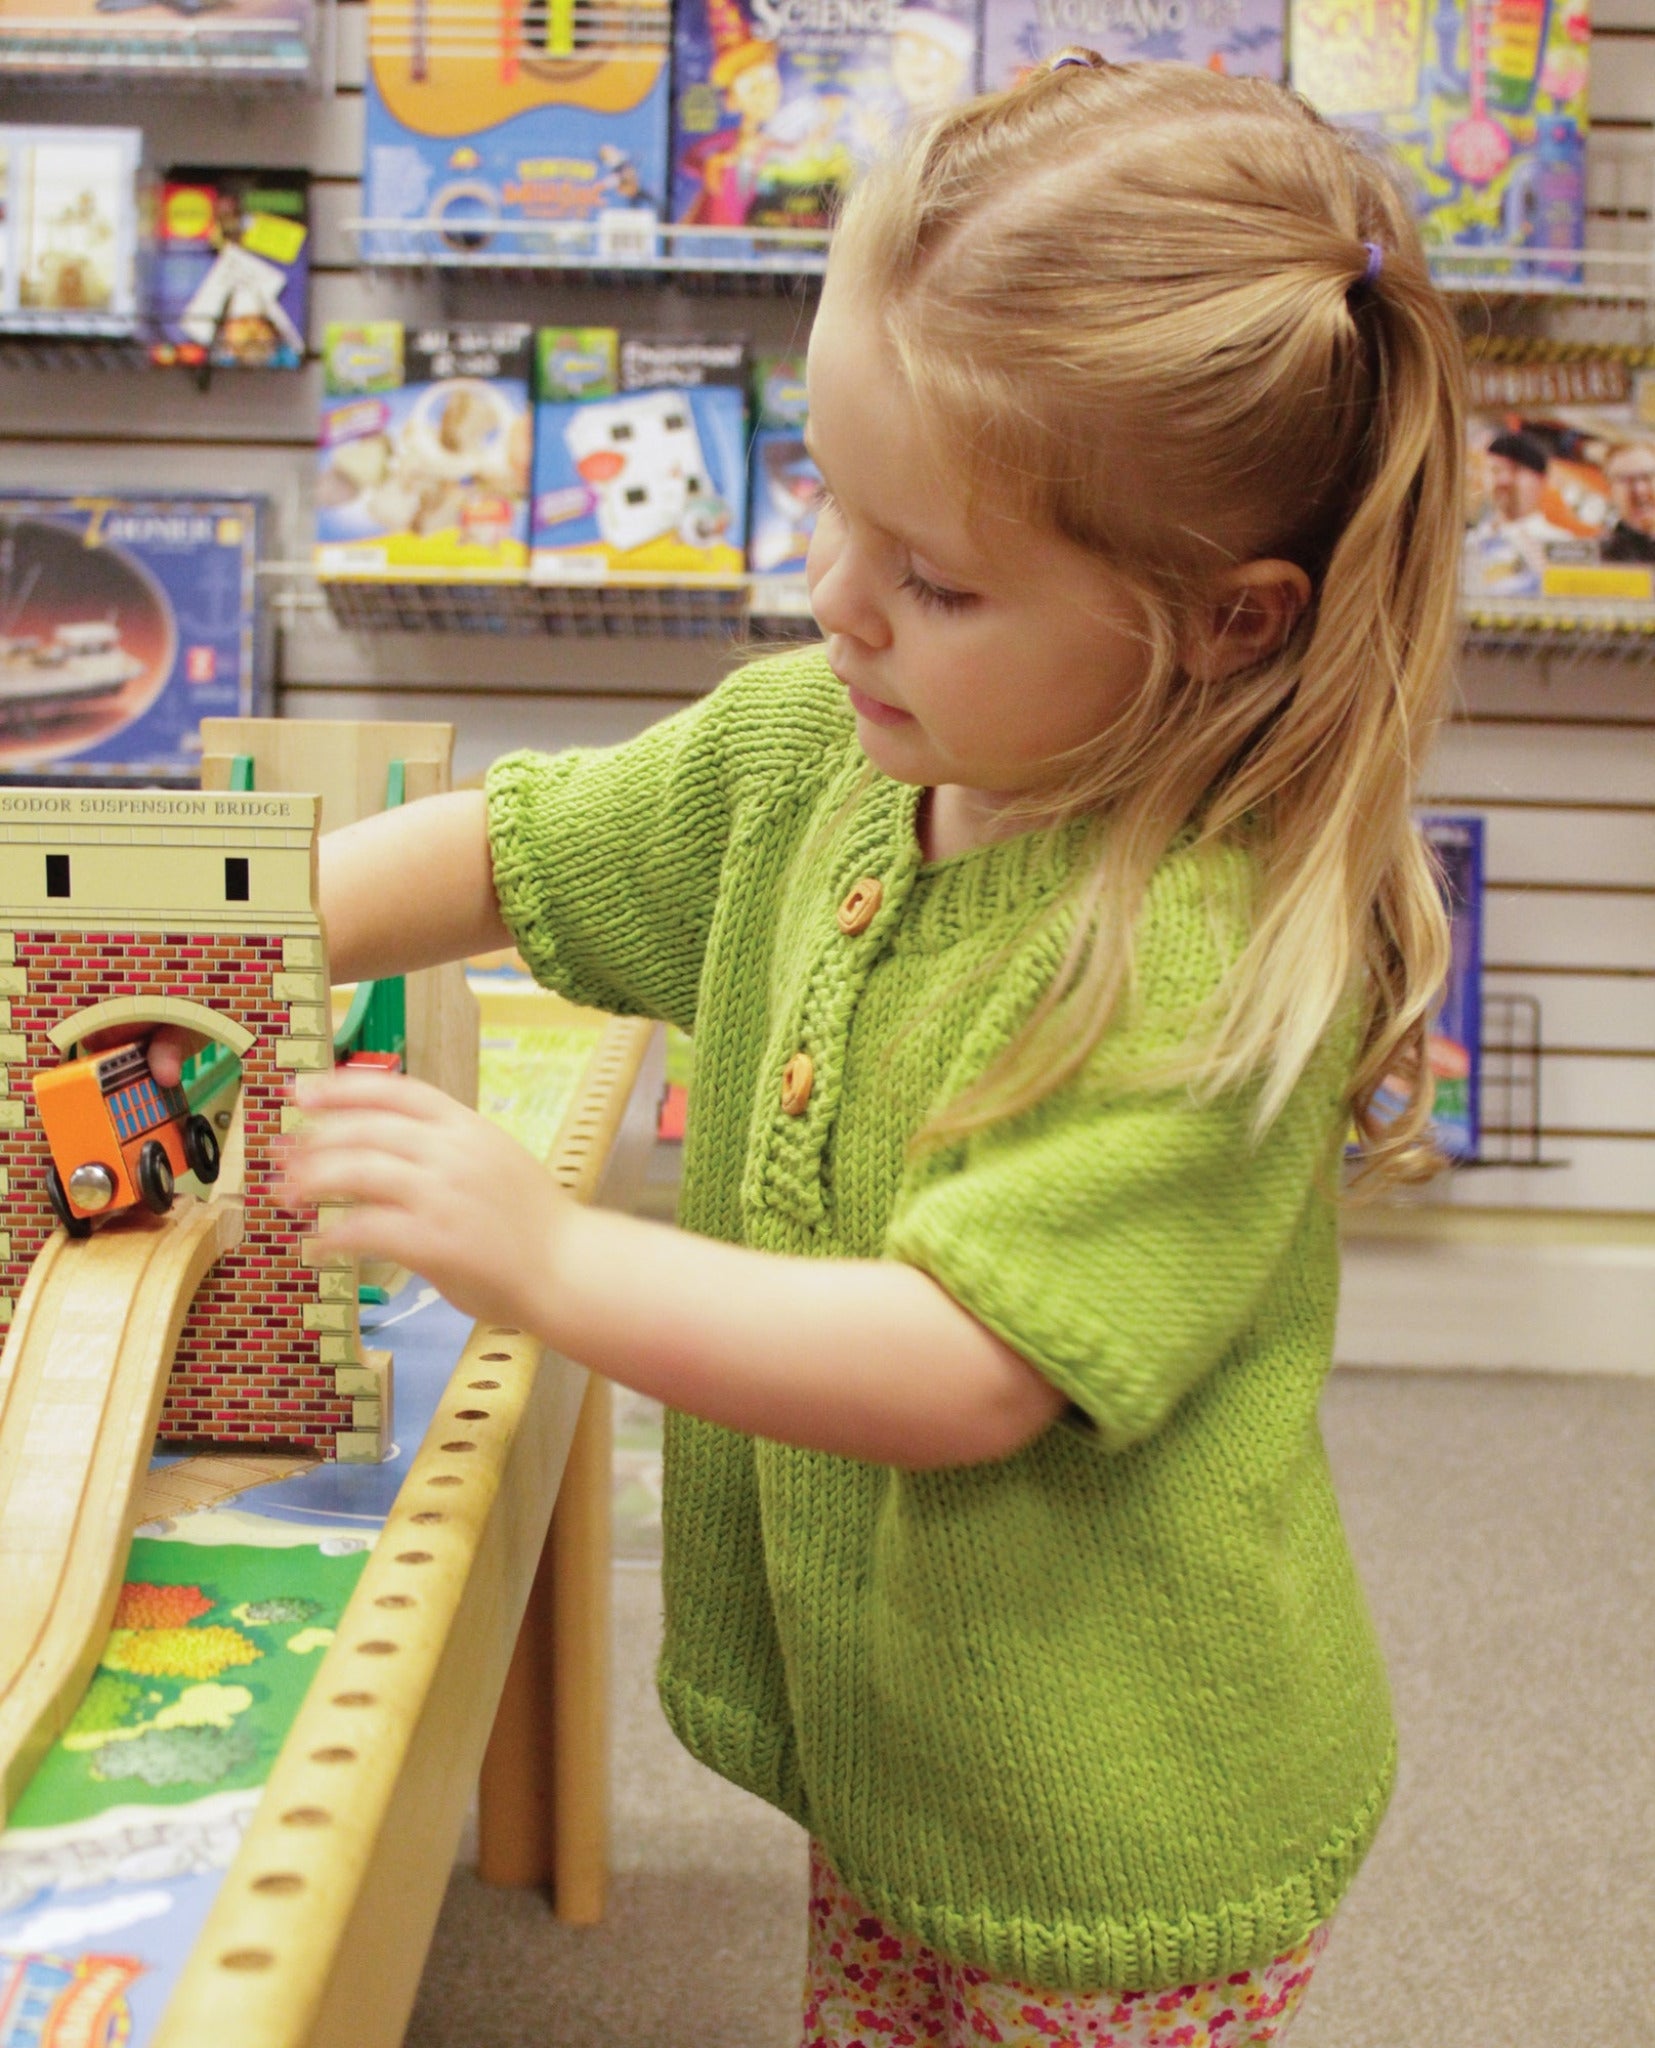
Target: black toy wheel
[
  {"x": 155, "y": 1182},
  {"x": 76, "y": 1226},
  {"x": 201, "y": 1148}
]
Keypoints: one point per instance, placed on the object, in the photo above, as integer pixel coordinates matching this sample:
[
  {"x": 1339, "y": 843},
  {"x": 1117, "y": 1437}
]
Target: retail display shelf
[{"x": 620, "y": 245}]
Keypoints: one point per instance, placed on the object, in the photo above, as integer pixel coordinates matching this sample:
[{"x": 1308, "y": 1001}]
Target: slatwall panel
[{"x": 1557, "y": 754}]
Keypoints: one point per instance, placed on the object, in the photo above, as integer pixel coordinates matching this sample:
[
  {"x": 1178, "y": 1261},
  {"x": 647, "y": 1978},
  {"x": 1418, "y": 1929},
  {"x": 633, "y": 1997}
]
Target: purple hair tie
[
  {"x": 1376, "y": 263},
  {"x": 1085, "y": 63}
]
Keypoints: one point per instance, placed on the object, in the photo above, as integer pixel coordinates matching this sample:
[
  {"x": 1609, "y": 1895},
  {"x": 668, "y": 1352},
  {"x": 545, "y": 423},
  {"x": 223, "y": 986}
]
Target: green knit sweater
[{"x": 1109, "y": 1712}]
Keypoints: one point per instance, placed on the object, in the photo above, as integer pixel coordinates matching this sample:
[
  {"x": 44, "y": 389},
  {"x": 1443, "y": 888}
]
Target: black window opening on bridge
[
  {"x": 57, "y": 874},
  {"x": 235, "y": 878}
]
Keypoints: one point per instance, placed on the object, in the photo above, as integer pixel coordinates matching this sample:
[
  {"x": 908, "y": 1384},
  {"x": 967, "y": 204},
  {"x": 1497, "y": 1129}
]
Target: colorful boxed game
[
  {"x": 218, "y": 39},
  {"x": 423, "y": 466},
  {"x": 1560, "y": 474},
  {"x": 639, "y": 457},
  {"x": 1484, "y": 102},
  {"x": 1455, "y": 1043},
  {"x": 124, "y": 621},
  {"x": 516, "y": 129},
  {"x": 779, "y": 103},
  {"x": 1241, "y": 37},
  {"x": 70, "y": 249},
  {"x": 785, "y": 486},
  {"x": 232, "y": 268}
]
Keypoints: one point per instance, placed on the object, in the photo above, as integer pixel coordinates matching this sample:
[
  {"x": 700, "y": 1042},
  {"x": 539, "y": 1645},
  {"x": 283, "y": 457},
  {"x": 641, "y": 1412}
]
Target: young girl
[{"x": 1043, "y": 934}]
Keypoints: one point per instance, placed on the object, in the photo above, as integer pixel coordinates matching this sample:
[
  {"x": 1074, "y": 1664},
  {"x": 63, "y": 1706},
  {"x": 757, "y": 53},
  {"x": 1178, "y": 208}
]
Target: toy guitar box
[
  {"x": 513, "y": 130},
  {"x": 71, "y": 252},
  {"x": 1241, "y": 37},
  {"x": 124, "y": 621},
  {"x": 423, "y": 464},
  {"x": 778, "y": 104},
  {"x": 1483, "y": 101},
  {"x": 785, "y": 485},
  {"x": 640, "y": 457},
  {"x": 232, "y": 268}
]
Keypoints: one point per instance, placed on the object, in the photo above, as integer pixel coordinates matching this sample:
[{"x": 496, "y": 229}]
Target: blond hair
[{"x": 1160, "y": 275}]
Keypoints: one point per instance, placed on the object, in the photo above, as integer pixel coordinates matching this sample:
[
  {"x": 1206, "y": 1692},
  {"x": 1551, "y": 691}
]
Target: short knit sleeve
[
  {"x": 608, "y": 863},
  {"x": 1122, "y": 1239}
]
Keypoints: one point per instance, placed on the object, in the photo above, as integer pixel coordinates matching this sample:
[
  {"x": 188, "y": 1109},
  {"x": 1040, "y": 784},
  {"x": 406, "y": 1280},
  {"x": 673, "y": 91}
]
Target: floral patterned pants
[{"x": 866, "y": 1987}]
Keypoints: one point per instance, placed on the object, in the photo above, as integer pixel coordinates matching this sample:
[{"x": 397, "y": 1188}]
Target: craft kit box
[
  {"x": 777, "y": 104},
  {"x": 221, "y": 39},
  {"x": 423, "y": 462},
  {"x": 505, "y": 129},
  {"x": 1560, "y": 485},
  {"x": 71, "y": 246},
  {"x": 1483, "y": 101},
  {"x": 640, "y": 457},
  {"x": 784, "y": 485},
  {"x": 232, "y": 268},
  {"x": 1241, "y": 37},
  {"x": 124, "y": 621}
]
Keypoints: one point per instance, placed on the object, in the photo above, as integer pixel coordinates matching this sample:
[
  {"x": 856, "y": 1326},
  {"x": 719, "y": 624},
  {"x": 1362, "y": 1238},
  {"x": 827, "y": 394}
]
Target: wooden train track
[{"x": 81, "y": 1380}]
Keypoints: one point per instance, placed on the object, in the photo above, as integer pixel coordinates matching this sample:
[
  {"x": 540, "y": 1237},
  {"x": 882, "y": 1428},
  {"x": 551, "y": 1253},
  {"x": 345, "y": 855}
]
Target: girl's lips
[{"x": 876, "y": 713}]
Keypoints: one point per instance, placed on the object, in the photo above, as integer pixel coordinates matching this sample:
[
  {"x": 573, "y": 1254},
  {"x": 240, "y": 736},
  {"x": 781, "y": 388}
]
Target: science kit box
[
  {"x": 1483, "y": 101},
  {"x": 124, "y": 621},
  {"x": 639, "y": 457},
  {"x": 232, "y": 268},
  {"x": 785, "y": 486},
  {"x": 423, "y": 462},
  {"x": 1241, "y": 37},
  {"x": 71, "y": 253},
  {"x": 1560, "y": 498},
  {"x": 510, "y": 129},
  {"x": 777, "y": 104}
]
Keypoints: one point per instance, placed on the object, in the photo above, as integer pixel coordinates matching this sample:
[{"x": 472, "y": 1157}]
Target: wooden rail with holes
[{"x": 320, "y": 1930}]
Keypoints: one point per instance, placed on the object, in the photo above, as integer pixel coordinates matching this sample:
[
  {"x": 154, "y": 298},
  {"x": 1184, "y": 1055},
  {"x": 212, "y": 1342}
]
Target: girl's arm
[
  {"x": 405, "y": 889},
  {"x": 867, "y": 1358},
  {"x": 410, "y": 888}
]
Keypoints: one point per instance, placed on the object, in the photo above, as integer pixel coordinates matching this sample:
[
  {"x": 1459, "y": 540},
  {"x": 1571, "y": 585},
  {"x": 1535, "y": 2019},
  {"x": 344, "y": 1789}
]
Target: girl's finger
[
  {"x": 366, "y": 1131},
  {"x": 370, "y": 1088},
  {"x": 343, "y": 1176}
]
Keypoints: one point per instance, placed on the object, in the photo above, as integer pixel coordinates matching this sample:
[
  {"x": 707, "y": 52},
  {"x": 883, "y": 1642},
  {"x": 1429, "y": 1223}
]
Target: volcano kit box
[{"x": 640, "y": 457}]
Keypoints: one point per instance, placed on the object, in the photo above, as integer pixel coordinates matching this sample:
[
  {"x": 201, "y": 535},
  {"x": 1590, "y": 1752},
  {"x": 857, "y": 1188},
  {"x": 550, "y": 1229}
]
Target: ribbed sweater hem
[{"x": 1147, "y": 1952}]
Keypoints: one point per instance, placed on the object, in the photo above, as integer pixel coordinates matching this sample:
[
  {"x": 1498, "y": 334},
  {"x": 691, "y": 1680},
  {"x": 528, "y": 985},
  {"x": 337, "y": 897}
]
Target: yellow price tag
[{"x": 266, "y": 234}]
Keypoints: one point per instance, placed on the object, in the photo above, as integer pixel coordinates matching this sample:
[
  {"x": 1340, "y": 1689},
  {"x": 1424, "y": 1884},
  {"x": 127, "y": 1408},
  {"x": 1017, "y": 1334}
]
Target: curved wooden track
[{"x": 81, "y": 1379}]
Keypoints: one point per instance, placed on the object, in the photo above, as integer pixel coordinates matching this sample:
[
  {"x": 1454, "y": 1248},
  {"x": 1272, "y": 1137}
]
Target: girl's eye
[{"x": 933, "y": 596}]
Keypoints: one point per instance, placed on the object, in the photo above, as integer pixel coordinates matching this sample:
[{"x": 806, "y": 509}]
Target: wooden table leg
[{"x": 544, "y": 1801}]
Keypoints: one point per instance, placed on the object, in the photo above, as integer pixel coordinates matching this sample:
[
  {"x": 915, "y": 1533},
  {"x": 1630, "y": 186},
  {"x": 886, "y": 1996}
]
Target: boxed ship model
[{"x": 124, "y": 621}]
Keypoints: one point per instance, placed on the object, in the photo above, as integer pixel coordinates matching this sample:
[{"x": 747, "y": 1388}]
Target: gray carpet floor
[{"x": 1505, "y": 1526}]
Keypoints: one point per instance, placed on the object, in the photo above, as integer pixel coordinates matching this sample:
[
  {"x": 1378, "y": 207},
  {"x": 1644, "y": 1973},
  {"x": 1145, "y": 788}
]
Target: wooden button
[
  {"x": 861, "y": 905},
  {"x": 798, "y": 1078}
]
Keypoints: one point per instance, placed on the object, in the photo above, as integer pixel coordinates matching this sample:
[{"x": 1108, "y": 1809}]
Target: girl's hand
[
  {"x": 169, "y": 1047},
  {"x": 434, "y": 1187}
]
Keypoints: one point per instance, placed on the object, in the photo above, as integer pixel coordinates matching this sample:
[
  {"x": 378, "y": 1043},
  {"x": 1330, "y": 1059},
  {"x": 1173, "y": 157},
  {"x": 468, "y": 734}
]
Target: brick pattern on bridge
[{"x": 264, "y": 1341}]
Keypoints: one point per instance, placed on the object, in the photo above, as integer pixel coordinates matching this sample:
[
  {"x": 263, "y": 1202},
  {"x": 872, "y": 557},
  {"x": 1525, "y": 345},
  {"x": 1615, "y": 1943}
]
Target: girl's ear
[{"x": 1249, "y": 613}]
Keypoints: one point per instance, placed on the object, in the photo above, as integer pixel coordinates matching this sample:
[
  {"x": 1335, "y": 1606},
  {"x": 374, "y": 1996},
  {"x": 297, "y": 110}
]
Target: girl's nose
[{"x": 843, "y": 600}]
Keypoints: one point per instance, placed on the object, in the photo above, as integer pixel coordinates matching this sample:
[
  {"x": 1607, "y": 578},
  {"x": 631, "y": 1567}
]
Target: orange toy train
[{"x": 117, "y": 1137}]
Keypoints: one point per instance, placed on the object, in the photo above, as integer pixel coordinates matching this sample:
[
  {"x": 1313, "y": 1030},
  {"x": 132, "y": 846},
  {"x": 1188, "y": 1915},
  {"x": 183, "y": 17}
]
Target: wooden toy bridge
[{"x": 219, "y": 1322}]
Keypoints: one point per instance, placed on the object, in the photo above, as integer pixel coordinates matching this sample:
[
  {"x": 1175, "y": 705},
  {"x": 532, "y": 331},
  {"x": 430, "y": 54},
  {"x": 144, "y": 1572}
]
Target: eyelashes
[{"x": 933, "y": 597}]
